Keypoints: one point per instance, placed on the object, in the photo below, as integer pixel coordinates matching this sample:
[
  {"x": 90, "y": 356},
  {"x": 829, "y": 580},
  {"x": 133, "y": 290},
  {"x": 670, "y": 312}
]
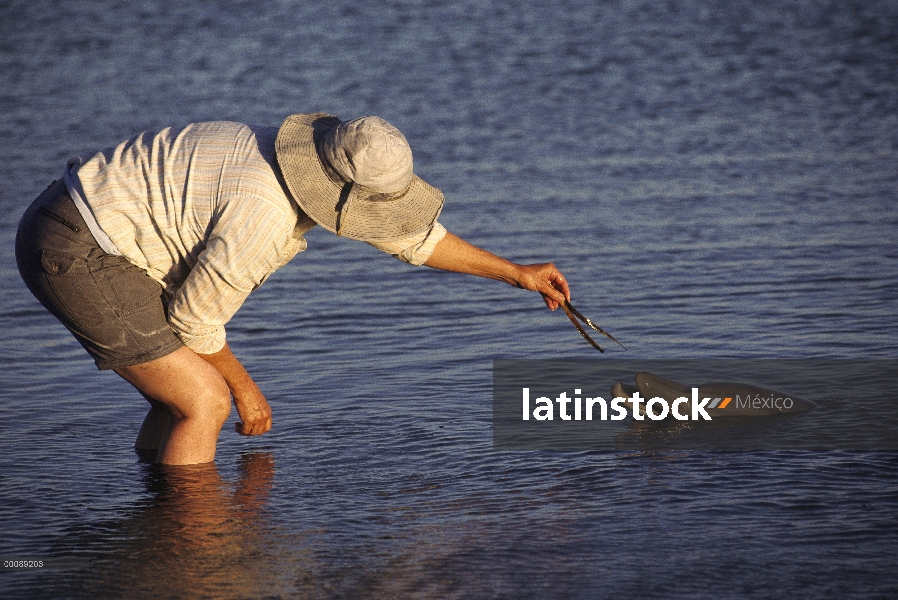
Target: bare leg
[
  {"x": 154, "y": 425},
  {"x": 196, "y": 397}
]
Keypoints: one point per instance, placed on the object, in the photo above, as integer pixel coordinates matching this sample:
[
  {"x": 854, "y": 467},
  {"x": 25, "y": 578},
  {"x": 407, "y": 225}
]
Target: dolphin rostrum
[{"x": 727, "y": 399}]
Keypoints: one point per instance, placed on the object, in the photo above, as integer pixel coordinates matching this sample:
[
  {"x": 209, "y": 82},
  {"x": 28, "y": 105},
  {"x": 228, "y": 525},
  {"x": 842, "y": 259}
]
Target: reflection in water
[
  {"x": 199, "y": 536},
  {"x": 473, "y": 534}
]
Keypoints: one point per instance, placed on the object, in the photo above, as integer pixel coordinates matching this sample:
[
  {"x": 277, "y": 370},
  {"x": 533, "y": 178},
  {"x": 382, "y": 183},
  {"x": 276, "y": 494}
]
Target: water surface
[{"x": 714, "y": 180}]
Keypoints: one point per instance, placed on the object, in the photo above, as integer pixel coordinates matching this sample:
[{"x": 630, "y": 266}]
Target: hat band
[
  {"x": 344, "y": 203},
  {"x": 328, "y": 168},
  {"x": 352, "y": 191}
]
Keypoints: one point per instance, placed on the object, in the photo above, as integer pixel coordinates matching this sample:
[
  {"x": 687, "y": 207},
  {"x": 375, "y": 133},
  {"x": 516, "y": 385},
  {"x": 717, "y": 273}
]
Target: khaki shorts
[{"x": 113, "y": 308}]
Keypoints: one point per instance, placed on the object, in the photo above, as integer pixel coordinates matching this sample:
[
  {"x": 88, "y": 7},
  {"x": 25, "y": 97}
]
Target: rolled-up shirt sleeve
[
  {"x": 246, "y": 245},
  {"x": 416, "y": 249}
]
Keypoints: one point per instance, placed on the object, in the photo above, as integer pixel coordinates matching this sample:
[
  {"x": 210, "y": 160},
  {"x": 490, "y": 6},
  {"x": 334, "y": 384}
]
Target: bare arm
[
  {"x": 455, "y": 254},
  {"x": 253, "y": 408}
]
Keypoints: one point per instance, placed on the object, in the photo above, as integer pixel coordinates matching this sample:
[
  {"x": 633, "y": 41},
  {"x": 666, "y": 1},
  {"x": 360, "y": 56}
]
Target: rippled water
[{"x": 714, "y": 180}]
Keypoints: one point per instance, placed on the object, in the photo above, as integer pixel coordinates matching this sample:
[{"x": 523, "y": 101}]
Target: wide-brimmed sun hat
[{"x": 355, "y": 178}]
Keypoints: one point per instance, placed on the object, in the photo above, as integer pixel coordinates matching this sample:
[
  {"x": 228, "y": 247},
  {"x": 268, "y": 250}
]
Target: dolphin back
[{"x": 653, "y": 386}]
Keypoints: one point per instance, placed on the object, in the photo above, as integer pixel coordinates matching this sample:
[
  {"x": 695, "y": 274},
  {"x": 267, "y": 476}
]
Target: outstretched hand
[{"x": 547, "y": 280}]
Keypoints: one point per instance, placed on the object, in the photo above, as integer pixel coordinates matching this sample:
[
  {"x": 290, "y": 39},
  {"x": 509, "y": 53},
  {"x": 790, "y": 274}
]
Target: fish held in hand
[{"x": 573, "y": 314}]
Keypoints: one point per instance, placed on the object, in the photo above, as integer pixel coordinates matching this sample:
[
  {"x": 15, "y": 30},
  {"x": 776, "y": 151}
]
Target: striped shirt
[{"x": 205, "y": 212}]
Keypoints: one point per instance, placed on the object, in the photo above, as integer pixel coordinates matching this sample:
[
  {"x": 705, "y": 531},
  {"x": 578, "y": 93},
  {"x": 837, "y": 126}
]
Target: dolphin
[{"x": 727, "y": 399}]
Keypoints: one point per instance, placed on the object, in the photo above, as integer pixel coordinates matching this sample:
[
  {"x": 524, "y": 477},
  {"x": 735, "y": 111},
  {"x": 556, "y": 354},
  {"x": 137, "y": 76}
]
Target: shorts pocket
[
  {"x": 129, "y": 285},
  {"x": 66, "y": 277}
]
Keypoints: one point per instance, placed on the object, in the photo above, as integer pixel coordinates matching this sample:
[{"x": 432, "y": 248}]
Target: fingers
[
  {"x": 552, "y": 285},
  {"x": 254, "y": 428},
  {"x": 560, "y": 284},
  {"x": 255, "y": 416},
  {"x": 547, "y": 280}
]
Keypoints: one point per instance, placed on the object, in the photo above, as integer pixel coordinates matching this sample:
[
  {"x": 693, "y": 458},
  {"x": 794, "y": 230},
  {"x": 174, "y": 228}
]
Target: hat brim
[{"x": 370, "y": 220}]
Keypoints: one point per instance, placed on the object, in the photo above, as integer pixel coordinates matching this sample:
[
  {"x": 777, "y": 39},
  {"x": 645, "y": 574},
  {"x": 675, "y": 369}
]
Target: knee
[{"x": 214, "y": 402}]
